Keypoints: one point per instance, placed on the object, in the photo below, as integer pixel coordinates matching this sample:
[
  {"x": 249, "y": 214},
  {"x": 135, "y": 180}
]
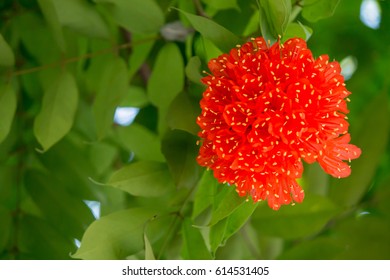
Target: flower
[{"x": 265, "y": 109}]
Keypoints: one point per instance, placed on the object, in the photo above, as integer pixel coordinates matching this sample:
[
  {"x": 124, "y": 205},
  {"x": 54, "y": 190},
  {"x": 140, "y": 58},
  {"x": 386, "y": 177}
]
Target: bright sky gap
[{"x": 370, "y": 13}]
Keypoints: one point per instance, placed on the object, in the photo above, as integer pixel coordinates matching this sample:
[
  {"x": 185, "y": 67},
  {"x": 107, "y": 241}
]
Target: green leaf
[
  {"x": 194, "y": 247},
  {"x": 6, "y": 55},
  {"x": 57, "y": 204},
  {"x": 167, "y": 78},
  {"x": 205, "y": 194},
  {"x": 141, "y": 141},
  {"x": 238, "y": 218},
  {"x": 217, "y": 232},
  {"x": 97, "y": 66},
  {"x": 37, "y": 240},
  {"x": 295, "y": 221},
  {"x": 314, "y": 10},
  {"x": 135, "y": 97},
  {"x": 252, "y": 24},
  {"x": 143, "y": 178},
  {"x": 265, "y": 26},
  {"x": 112, "y": 87},
  {"x": 187, "y": 6},
  {"x": 219, "y": 35},
  {"x": 183, "y": 112},
  {"x": 8, "y": 103},
  {"x": 59, "y": 106},
  {"x": 138, "y": 16},
  {"x": 6, "y": 226},
  {"x": 161, "y": 229},
  {"x": 82, "y": 17},
  {"x": 297, "y": 30},
  {"x": 166, "y": 81},
  {"x": 225, "y": 203},
  {"x": 180, "y": 150},
  {"x": 235, "y": 19},
  {"x": 206, "y": 49},
  {"x": 372, "y": 241},
  {"x": 374, "y": 124},
  {"x": 270, "y": 247},
  {"x": 308, "y": 31},
  {"x": 140, "y": 51},
  {"x": 71, "y": 158},
  {"x": 49, "y": 11},
  {"x": 322, "y": 248},
  {"x": 277, "y": 15},
  {"x": 193, "y": 70},
  {"x": 381, "y": 197},
  {"x": 115, "y": 236},
  {"x": 31, "y": 85},
  {"x": 102, "y": 156},
  {"x": 148, "y": 249},
  {"x": 8, "y": 179},
  {"x": 42, "y": 34},
  {"x": 222, "y": 4},
  {"x": 315, "y": 181},
  {"x": 242, "y": 246},
  {"x": 355, "y": 237},
  {"x": 224, "y": 229}
]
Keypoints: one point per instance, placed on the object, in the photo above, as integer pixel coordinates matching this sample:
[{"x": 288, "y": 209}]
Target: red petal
[{"x": 335, "y": 152}]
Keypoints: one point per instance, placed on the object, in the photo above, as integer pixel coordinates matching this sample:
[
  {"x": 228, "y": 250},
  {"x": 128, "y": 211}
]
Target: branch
[{"x": 65, "y": 61}]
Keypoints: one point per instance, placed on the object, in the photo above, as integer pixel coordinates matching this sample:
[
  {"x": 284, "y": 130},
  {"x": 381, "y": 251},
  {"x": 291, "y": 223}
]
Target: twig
[
  {"x": 63, "y": 62},
  {"x": 199, "y": 8}
]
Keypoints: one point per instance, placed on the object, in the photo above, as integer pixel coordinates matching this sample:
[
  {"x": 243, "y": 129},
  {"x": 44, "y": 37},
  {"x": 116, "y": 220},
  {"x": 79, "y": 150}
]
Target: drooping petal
[{"x": 334, "y": 155}]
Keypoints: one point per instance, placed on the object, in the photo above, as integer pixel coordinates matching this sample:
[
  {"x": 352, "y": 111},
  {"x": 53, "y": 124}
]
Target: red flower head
[{"x": 267, "y": 108}]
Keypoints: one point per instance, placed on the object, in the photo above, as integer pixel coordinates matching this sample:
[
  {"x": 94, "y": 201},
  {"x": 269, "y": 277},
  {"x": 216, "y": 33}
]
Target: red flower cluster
[{"x": 267, "y": 108}]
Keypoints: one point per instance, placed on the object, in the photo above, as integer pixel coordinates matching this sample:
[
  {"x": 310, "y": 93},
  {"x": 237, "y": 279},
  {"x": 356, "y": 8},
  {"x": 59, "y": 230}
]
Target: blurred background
[{"x": 98, "y": 101}]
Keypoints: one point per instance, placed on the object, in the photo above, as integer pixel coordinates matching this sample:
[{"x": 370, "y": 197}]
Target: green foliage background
[{"x": 65, "y": 66}]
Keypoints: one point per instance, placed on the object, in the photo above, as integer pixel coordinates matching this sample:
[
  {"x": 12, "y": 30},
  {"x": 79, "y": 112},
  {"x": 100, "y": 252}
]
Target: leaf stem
[
  {"x": 296, "y": 9},
  {"x": 178, "y": 215},
  {"x": 199, "y": 9},
  {"x": 169, "y": 235}
]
